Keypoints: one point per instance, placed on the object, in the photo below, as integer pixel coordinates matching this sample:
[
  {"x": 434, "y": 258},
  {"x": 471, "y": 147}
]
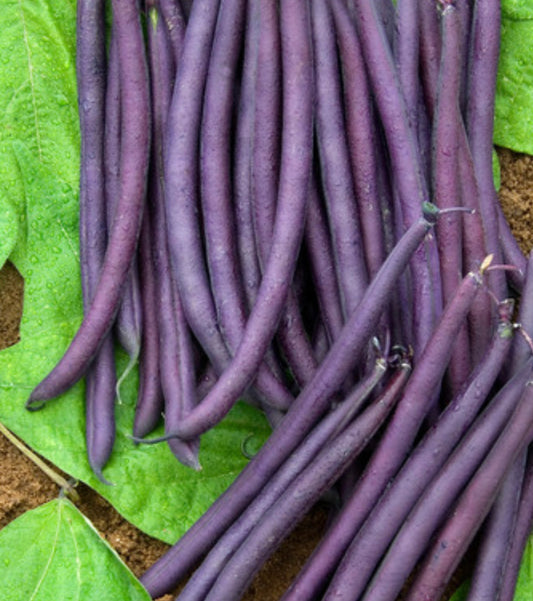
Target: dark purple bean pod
[
  {"x": 205, "y": 575},
  {"x": 91, "y": 78},
  {"x": 473, "y": 232},
  {"x": 135, "y": 145},
  {"x": 128, "y": 323},
  {"x": 429, "y": 53},
  {"x": 523, "y": 526},
  {"x": 406, "y": 55},
  {"x": 512, "y": 253},
  {"x": 361, "y": 135},
  {"x": 496, "y": 536},
  {"x": 215, "y": 171},
  {"x": 181, "y": 189},
  {"x": 467, "y": 515},
  {"x": 312, "y": 402},
  {"x": 445, "y": 182},
  {"x": 386, "y": 518},
  {"x": 521, "y": 348},
  {"x": 176, "y": 363},
  {"x": 298, "y": 498},
  {"x": 291, "y": 334},
  {"x": 474, "y": 249},
  {"x": 174, "y": 17},
  {"x": 149, "y": 403},
  {"x": 318, "y": 246},
  {"x": 181, "y": 182},
  {"x": 100, "y": 431},
  {"x": 395, "y": 442},
  {"x": 481, "y": 90},
  {"x": 267, "y": 128},
  {"x": 336, "y": 175},
  {"x": 412, "y": 539},
  {"x": 242, "y": 170}
]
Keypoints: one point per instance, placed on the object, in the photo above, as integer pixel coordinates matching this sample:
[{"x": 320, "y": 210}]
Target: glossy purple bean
[{"x": 122, "y": 242}]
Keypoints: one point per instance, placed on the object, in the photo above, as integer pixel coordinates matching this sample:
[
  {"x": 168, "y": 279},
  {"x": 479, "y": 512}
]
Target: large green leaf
[
  {"x": 514, "y": 100},
  {"x": 37, "y": 100},
  {"x": 39, "y": 142},
  {"x": 53, "y": 552}
]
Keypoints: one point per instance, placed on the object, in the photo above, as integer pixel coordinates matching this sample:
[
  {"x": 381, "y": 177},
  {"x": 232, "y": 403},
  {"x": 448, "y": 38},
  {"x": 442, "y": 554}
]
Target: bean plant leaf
[
  {"x": 39, "y": 142},
  {"x": 54, "y": 552},
  {"x": 514, "y": 100}
]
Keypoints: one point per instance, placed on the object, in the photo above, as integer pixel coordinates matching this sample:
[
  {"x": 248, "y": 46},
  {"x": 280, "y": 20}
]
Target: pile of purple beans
[{"x": 292, "y": 203}]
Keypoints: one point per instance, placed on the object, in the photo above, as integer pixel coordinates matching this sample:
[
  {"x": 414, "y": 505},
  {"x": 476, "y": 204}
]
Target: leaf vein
[
  {"x": 32, "y": 83},
  {"x": 50, "y": 558}
]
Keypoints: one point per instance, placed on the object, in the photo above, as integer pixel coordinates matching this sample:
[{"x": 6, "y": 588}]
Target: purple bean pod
[
  {"x": 149, "y": 398},
  {"x": 100, "y": 429},
  {"x": 361, "y": 135},
  {"x": 512, "y": 253},
  {"x": 406, "y": 45},
  {"x": 217, "y": 193},
  {"x": 128, "y": 323},
  {"x": 215, "y": 171},
  {"x": 181, "y": 188},
  {"x": 266, "y": 150},
  {"x": 176, "y": 363},
  {"x": 135, "y": 144},
  {"x": 430, "y": 48},
  {"x": 445, "y": 182},
  {"x": 91, "y": 76},
  {"x": 336, "y": 175},
  {"x": 291, "y": 334},
  {"x": 523, "y": 526},
  {"x": 174, "y": 16},
  {"x": 474, "y": 248},
  {"x": 481, "y": 90},
  {"x": 496, "y": 535},
  {"x": 242, "y": 170},
  {"x": 473, "y": 232},
  {"x": 521, "y": 348},
  {"x": 318, "y": 246}
]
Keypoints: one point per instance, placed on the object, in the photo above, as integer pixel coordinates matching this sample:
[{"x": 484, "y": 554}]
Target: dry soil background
[{"x": 23, "y": 486}]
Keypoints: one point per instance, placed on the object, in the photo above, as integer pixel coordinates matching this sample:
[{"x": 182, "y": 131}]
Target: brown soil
[{"x": 23, "y": 486}]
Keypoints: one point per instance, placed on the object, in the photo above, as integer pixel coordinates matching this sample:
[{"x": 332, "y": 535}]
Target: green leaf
[
  {"x": 513, "y": 126},
  {"x": 54, "y": 552},
  {"x": 524, "y": 585},
  {"x": 39, "y": 145},
  {"x": 37, "y": 95}
]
